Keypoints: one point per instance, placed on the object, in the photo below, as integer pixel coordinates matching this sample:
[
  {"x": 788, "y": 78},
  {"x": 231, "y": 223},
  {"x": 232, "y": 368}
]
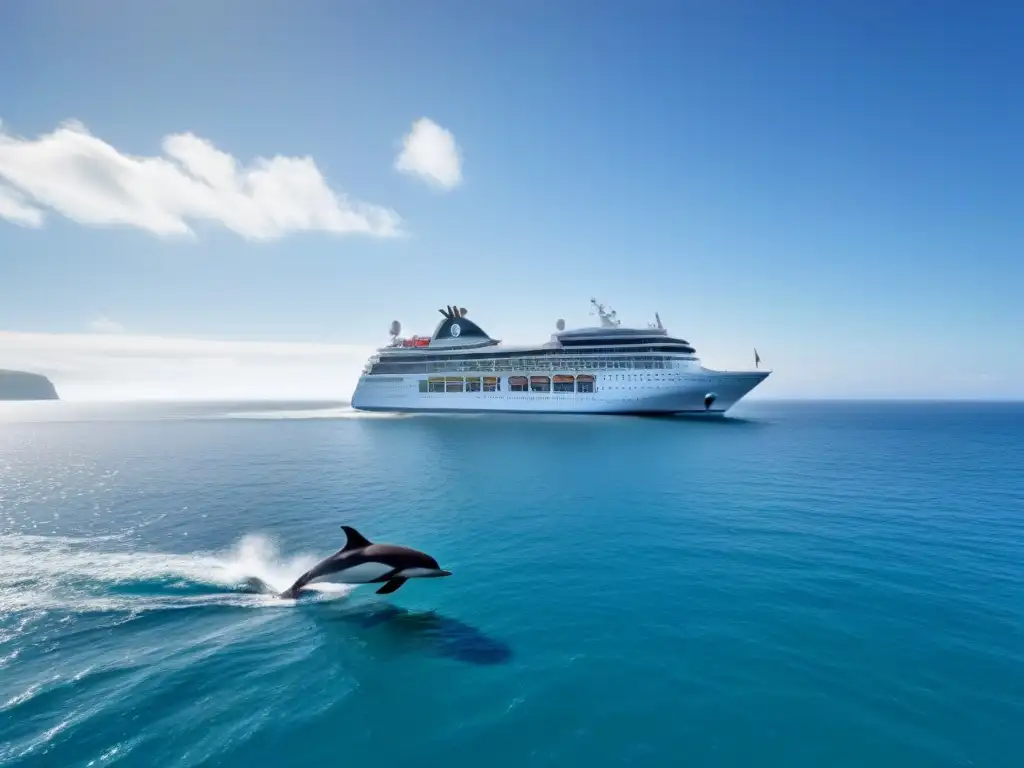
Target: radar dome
[
  {"x": 560, "y": 325},
  {"x": 396, "y": 328}
]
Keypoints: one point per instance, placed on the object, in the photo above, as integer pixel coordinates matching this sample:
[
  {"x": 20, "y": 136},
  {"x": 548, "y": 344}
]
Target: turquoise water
[{"x": 803, "y": 585}]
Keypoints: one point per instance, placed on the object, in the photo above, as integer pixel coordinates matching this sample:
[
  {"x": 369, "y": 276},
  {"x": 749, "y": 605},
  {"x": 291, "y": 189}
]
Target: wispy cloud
[
  {"x": 133, "y": 367},
  {"x": 82, "y": 177},
  {"x": 430, "y": 152},
  {"x": 103, "y": 324},
  {"x": 14, "y": 208}
]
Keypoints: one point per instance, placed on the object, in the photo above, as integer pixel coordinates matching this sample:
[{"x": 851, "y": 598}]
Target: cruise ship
[{"x": 602, "y": 369}]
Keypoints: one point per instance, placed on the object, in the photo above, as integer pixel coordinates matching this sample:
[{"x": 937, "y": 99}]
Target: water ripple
[{"x": 816, "y": 585}]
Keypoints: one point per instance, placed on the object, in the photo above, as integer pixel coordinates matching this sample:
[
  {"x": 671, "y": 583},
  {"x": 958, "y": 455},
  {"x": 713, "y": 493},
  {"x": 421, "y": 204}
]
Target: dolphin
[{"x": 361, "y": 561}]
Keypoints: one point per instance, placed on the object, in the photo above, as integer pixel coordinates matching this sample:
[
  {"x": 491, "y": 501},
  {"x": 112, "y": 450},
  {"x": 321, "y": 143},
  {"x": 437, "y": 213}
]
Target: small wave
[{"x": 54, "y": 573}]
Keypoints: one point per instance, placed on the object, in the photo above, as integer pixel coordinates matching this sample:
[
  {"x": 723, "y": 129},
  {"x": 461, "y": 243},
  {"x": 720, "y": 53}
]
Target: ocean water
[{"x": 805, "y": 584}]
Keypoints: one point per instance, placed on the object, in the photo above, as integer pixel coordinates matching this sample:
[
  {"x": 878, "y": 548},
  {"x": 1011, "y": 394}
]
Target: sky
[{"x": 235, "y": 199}]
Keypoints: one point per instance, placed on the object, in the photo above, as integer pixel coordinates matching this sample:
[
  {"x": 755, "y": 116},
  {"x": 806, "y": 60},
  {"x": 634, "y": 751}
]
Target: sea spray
[{"x": 59, "y": 572}]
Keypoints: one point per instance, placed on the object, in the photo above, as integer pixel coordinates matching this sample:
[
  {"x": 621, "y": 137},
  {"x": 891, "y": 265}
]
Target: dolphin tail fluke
[
  {"x": 391, "y": 586},
  {"x": 293, "y": 591}
]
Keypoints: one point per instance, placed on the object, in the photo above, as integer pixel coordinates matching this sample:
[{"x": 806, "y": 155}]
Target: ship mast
[{"x": 608, "y": 319}]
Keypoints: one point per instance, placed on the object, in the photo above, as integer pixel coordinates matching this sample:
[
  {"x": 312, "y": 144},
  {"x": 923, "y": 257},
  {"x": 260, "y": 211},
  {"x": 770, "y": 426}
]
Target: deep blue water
[{"x": 832, "y": 584}]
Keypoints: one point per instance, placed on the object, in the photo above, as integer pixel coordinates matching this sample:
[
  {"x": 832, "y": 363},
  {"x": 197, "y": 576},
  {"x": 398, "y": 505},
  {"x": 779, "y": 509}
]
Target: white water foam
[
  {"x": 58, "y": 572},
  {"x": 342, "y": 412}
]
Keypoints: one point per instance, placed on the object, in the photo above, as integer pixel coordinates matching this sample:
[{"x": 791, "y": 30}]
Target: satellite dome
[
  {"x": 560, "y": 325},
  {"x": 396, "y": 328}
]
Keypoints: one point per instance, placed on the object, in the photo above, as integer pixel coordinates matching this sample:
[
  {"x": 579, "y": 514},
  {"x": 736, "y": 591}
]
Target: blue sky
[{"x": 838, "y": 186}]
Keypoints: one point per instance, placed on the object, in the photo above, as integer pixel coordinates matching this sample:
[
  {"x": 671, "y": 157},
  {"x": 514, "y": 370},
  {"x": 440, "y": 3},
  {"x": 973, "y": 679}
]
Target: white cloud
[
  {"x": 72, "y": 172},
  {"x": 430, "y": 152},
  {"x": 136, "y": 367},
  {"x": 14, "y": 208},
  {"x": 103, "y": 324}
]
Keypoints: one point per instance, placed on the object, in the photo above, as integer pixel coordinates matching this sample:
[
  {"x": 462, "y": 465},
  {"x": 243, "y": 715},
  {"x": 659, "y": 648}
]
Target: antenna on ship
[
  {"x": 394, "y": 330},
  {"x": 608, "y": 319}
]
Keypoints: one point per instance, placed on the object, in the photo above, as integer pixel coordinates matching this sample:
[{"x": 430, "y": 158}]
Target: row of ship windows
[
  {"x": 560, "y": 383},
  {"x": 487, "y": 354},
  {"x": 593, "y": 341},
  {"x": 534, "y": 364}
]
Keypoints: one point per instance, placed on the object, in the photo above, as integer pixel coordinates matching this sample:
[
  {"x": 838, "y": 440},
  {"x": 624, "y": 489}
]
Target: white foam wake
[
  {"x": 56, "y": 572},
  {"x": 341, "y": 412}
]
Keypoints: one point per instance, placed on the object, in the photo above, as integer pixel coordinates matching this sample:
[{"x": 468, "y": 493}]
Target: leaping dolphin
[{"x": 361, "y": 561}]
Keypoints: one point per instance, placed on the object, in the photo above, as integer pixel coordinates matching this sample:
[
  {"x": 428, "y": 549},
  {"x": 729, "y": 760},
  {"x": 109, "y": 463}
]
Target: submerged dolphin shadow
[{"x": 422, "y": 631}]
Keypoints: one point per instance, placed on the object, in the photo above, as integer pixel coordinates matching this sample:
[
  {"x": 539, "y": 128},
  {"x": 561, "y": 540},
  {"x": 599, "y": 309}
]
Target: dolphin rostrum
[{"x": 361, "y": 561}]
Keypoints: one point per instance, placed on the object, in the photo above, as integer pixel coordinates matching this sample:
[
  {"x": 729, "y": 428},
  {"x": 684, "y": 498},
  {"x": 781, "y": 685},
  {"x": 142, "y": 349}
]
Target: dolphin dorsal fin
[{"x": 354, "y": 538}]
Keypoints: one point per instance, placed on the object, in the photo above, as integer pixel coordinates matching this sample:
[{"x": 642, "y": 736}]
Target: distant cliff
[{"x": 18, "y": 385}]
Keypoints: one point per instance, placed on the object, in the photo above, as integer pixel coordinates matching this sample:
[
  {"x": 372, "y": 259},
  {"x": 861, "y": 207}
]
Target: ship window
[
  {"x": 564, "y": 383},
  {"x": 472, "y": 384},
  {"x": 517, "y": 384},
  {"x": 540, "y": 384},
  {"x": 584, "y": 383},
  {"x": 453, "y": 384},
  {"x": 491, "y": 384},
  {"x": 435, "y": 385},
  {"x": 423, "y": 385}
]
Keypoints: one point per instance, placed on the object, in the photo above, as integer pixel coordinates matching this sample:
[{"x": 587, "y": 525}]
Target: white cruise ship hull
[{"x": 698, "y": 392}]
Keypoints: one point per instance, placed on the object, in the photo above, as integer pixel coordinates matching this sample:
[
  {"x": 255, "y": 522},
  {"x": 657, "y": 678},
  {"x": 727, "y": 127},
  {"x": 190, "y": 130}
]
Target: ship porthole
[{"x": 709, "y": 400}]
